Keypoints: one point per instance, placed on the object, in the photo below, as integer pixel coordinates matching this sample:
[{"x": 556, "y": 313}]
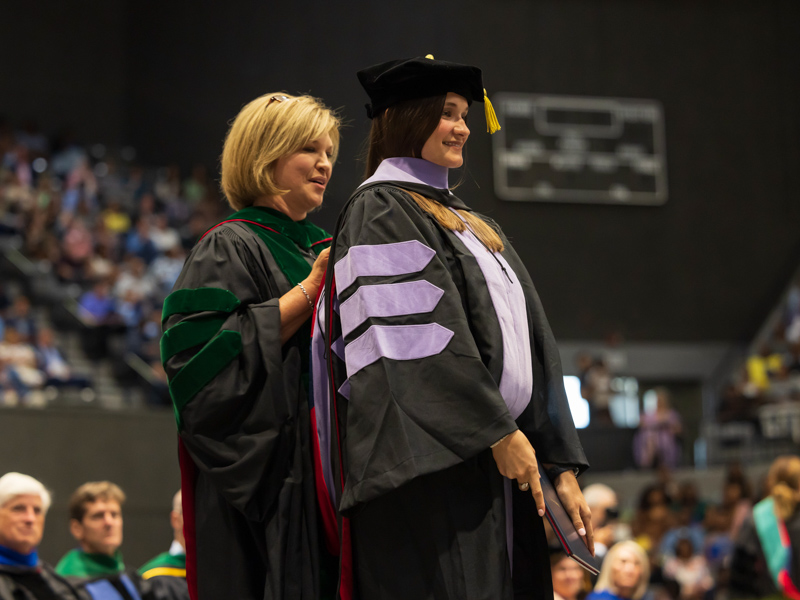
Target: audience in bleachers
[{"x": 115, "y": 232}]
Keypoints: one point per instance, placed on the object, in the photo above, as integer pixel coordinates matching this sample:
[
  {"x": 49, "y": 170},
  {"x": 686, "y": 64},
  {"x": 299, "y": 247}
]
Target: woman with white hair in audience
[
  {"x": 624, "y": 575},
  {"x": 23, "y": 576}
]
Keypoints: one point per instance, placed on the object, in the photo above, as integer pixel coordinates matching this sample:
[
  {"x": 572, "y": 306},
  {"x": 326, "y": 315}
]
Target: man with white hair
[
  {"x": 167, "y": 571},
  {"x": 23, "y": 576}
]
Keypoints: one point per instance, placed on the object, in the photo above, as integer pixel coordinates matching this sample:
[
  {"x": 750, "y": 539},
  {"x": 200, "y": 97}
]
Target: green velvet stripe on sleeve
[
  {"x": 188, "y": 334},
  {"x": 202, "y": 368},
  {"x": 199, "y": 300}
]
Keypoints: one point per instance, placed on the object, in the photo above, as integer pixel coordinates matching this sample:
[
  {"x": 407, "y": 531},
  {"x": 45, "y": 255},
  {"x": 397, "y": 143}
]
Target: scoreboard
[{"x": 579, "y": 149}]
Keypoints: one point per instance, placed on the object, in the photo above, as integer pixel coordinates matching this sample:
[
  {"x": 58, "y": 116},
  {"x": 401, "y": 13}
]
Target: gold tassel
[{"x": 492, "y": 124}]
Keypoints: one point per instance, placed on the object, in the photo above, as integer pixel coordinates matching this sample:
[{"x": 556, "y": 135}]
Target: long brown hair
[{"x": 402, "y": 130}]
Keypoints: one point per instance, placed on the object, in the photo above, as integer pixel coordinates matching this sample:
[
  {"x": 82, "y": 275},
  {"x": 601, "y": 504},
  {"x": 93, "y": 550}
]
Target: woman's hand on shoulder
[
  {"x": 318, "y": 269},
  {"x": 516, "y": 459}
]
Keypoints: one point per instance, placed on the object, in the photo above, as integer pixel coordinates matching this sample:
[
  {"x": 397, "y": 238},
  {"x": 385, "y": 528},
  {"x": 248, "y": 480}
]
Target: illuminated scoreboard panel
[{"x": 579, "y": 149}]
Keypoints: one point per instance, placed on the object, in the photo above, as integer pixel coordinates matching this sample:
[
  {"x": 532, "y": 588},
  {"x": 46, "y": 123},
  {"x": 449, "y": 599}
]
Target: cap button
[{"x": 429, "y": 56}]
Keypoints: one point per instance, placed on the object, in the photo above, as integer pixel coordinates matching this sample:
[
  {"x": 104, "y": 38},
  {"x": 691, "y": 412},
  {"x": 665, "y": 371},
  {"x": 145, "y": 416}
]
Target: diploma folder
[{"x": 562, "y": 525}]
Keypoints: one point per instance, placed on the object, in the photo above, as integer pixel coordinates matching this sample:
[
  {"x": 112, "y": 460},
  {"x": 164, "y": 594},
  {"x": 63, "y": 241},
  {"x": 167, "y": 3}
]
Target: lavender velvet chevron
[
  {"x": 388, "y": 300},
  {"x": 386, "y": 260},
  {"x": 396, "y": 342}
]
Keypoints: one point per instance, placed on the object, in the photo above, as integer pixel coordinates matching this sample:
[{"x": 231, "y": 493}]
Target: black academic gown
[
  {"x": 34, "y": 583},
  {"x": 248, "y": 486},
  {"x": 422, "y": 493}
]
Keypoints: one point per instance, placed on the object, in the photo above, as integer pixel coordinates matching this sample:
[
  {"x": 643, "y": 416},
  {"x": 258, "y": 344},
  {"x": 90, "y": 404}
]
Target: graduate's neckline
[{"x": 411, "y": 170}]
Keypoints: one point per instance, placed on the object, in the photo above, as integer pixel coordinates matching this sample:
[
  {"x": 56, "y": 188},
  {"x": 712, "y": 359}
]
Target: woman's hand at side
[
  {"x": 294, "y": 305},
  {"x": 516, "y": 459},
  {"x": 571, "y": 496}
]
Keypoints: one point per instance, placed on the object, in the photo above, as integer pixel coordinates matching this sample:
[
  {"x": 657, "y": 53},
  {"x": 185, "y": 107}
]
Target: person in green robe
[
  {"x": 167, "y": 571},
  {"x": 96, "y": 566},
  {"x": 236, "y": 351}
]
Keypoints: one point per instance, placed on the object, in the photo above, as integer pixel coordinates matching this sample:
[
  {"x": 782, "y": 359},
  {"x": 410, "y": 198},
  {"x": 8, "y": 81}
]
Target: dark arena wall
[{"x": 707, "y": 265}]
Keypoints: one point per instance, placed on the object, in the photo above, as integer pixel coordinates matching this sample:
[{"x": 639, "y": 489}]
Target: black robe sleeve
[
  {"x": 237, "y": 428},
  {"x": 427, "y": 403}
]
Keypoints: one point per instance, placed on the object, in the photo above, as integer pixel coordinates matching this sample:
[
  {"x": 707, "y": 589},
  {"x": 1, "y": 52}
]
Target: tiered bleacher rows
[{"x": 111, "y": 234}]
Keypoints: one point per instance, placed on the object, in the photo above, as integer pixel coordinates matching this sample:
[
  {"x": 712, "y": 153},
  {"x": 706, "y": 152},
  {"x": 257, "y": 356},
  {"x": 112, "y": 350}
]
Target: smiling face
[
  {"x": 567, "y": 578},
  {"x": 626, "y": 572},
  {"x": 305, "y": 174},
  {"x": 100, "y": 530},
  {"x": 22, "y": 523},
  {"x": 445, "y": 145}
]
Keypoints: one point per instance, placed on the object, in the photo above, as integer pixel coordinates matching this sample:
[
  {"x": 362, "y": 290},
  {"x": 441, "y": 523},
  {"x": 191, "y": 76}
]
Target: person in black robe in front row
[
  {"x": 235, "y": 349},
  {"x": 443, "y": 371}
]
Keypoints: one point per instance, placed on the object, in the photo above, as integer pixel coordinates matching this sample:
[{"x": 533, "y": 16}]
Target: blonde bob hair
[
  {"x": 268, "y": 128},
  {"x": 605, "y": 581},
  {"x": 784, "y": 485}
]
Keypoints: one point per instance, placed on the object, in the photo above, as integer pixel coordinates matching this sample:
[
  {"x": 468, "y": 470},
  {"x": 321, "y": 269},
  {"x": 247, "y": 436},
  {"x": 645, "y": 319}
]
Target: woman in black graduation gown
[
  {"x": 235, "y": 349},
  {"x": 445, "y": 373}
]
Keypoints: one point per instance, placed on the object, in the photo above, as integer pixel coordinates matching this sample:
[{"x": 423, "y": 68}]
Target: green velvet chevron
[{"x": 219, "y": 347}]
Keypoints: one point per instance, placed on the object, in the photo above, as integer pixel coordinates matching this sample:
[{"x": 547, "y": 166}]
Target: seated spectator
[
  {"x": 23, "y": 575},
  {"x": 569, "y": 580},
  {"x": 736, "y": 407},
  {"x": 52, "y": 364},
  {"x": 19, "y": 317},
  {"x": 763, "y": 367},
  {"x": 96, "y": 307},
  {"x": 165, "y": 269},
  {"x": 624, "y": 575},
  {"x": 168, "y": 184},
  {"x": 723, "y": 521},
  {"x": 603, "y": 503},
  {"x": 689, "y": 569},
  {"x": 653, "y": 519},
  {"x": 690, "y": 507},
  {"x": 134, "y": 278},
  {"x": 164, "y": 237},
  {"x": 18, "y": 372},
  {"x": 150, "y": 337},
  {"x": 657, "y": 442},
  {"x": 596, "y": 389},
  {"x": 167, "y": 571},
  {"x": 96, "y": 566},
  {"x": 765, "y": 561},
  {"x": 115, "y": 219},
  {"x": 77, "y": 247},
  {"x": 100, "y": 265},
  {"x": 194, "y": 188},
  {"x": 139, "y": 244}
]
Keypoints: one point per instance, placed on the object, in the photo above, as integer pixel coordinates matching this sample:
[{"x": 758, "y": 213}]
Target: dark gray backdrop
[{"x": 168, "y": 76}]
